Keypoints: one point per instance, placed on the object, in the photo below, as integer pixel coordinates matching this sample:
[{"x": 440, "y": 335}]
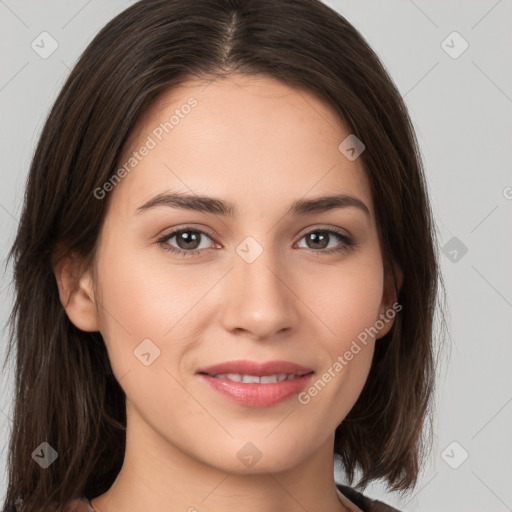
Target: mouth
[{"x": 256, "y": 384}]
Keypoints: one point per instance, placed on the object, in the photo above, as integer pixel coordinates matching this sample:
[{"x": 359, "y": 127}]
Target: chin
[{"x": 259, "y": 456}]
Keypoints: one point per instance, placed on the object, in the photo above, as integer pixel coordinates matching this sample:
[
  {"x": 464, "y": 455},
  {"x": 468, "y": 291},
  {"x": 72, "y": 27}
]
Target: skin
[{"x": 262, "y": 145}]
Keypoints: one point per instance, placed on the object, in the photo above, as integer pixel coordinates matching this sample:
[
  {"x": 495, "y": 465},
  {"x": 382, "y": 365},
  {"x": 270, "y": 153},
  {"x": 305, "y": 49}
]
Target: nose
[{"x": 259, "y": 300}]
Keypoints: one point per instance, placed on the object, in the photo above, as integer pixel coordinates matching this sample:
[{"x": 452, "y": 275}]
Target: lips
[{"x": 256, "y": 384}]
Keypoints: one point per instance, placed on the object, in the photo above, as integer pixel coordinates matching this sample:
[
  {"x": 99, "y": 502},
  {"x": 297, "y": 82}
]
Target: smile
[{"x": 255, "y": 384}]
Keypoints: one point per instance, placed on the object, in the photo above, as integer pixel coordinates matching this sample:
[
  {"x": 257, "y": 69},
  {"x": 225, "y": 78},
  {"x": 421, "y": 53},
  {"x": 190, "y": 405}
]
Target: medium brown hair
[{"x": 65, "y": 391}]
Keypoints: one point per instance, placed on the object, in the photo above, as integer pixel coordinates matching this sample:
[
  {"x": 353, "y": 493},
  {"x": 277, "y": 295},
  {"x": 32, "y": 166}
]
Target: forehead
[{"x": 241, "y": 138}]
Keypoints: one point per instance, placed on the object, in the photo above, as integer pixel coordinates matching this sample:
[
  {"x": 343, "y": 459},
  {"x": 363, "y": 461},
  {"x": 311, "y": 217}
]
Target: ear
[
  {"x": 389, "y": 305},
  {"x": 76, "y": 293}
]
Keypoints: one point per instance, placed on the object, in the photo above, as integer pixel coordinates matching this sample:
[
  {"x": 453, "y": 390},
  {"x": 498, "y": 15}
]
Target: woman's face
[{"x": 265, "y": 283}]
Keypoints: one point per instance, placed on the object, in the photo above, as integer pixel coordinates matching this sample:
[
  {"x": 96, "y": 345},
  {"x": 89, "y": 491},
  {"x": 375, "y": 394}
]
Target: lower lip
[{"x": 258, "y": 395}]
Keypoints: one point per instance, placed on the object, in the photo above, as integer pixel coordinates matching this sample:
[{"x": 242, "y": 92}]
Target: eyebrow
[{"x": 225, "y": 208}]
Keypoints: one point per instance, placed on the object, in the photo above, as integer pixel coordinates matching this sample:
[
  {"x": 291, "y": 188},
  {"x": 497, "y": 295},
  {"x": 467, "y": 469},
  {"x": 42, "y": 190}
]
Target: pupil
[
  {"x": 189, "y": 238},
  {"x": 316, "y": 237}
]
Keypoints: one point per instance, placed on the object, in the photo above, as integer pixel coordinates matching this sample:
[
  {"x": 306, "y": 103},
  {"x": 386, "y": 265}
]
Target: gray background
[{"x": 461, "y": 106}]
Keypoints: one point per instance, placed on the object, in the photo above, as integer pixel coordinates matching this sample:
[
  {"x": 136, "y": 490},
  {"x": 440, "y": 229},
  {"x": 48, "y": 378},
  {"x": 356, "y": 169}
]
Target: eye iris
[
  {"x": 190, "y": 237},
  {"x": 323, "y": 237}
]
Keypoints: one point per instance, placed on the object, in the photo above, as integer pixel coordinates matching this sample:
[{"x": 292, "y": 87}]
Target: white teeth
[
  {"x": 250, "y": 379},
  {"x": 253, "y": 379}
]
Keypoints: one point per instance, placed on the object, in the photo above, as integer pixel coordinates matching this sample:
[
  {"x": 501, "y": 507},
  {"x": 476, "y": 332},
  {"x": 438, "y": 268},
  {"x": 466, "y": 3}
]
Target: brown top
[
  {"x": 365, "y": 503},
  {"x": 353, "y": 499}
]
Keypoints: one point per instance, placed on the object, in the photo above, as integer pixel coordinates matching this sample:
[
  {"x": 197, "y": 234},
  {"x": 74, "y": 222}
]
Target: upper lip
[{"x": 243, "y": 367}]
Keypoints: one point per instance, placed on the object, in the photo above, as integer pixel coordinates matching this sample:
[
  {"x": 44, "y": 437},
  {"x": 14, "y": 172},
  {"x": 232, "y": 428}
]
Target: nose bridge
[
  {"x": 258, "y": 266},
  {"x": 260, "y": 298}
]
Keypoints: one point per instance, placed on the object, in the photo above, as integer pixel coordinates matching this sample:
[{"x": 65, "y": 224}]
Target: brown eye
[
  {"x": 320, "y": 240},
  {"x": 188, "y": 241}
]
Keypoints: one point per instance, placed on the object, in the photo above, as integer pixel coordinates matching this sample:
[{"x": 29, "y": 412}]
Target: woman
[{"x": 225, "y": 270}]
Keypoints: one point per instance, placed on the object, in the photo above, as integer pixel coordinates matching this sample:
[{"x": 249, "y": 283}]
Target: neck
[{"x": 157, "y": 475}]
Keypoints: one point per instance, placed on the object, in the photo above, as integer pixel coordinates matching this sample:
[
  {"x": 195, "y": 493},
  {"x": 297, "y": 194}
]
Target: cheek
[
  {"x": 146, "y": 329},
  {"x": 149, "y": 305},
  {"x": 131, "y": 306},
  {"x": 348, "y": 298},
  {"x": 148, "y": 297},
  {"x": 350, "y": 310}
]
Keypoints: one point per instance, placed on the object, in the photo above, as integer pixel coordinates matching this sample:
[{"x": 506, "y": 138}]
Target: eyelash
[{"x": 347, "y": 242}]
